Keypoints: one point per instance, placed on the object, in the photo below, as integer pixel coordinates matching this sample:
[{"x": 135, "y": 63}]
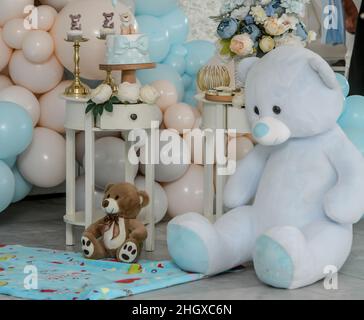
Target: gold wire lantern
[{"x": 213, "y": 76}]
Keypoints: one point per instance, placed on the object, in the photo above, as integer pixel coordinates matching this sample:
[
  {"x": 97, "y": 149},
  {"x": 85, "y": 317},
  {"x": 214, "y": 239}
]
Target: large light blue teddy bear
[{"x": 305, "y": 176}]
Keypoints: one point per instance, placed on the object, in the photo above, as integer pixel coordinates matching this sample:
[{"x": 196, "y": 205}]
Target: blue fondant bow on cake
[{"x": 122, "y": 45}]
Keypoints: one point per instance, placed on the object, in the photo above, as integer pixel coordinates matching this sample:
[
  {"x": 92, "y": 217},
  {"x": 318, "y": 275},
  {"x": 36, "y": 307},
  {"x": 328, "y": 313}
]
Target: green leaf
[
  {"x": 115, "y": 100},
  {"x": 100, "y": 110},
  {"x": 109, "y": 107},
  {"x": 225, "y": 47},
  {"x": 90, "y": 107}
]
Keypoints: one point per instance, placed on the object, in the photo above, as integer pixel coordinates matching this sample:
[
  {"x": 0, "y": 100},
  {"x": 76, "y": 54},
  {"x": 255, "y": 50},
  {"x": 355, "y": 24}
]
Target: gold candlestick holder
[{"x": 77, "y": 89}]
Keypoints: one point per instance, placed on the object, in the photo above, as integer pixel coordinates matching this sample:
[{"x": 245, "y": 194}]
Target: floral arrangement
[
  {"x": 103, "y": 98},
  {"x": 255, "y": 27}
]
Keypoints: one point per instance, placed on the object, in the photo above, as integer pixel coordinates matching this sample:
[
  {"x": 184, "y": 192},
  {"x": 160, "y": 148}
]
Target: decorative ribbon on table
[
  {"x": 122, "y": 45},
  {"x": 333, "y": 25}
]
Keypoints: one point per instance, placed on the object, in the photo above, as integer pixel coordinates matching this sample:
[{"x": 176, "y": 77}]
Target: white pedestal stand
[{"x": 124, "y": 118}]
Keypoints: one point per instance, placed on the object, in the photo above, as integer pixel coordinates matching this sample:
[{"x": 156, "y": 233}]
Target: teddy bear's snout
[
  {"x": 270, "y": 131},
  {"x": 110, "y": 206}
]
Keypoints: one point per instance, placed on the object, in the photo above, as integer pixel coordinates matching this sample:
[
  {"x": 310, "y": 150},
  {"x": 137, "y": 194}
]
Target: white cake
[{"x": 127, "y": 49}]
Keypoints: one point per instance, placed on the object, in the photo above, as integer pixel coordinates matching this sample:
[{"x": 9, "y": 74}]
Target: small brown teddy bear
[{"x": 119, "y": 235}]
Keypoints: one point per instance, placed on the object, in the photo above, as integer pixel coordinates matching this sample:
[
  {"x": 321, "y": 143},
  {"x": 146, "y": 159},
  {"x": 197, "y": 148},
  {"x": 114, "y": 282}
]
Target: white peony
[
  {"x": 312, "y": 36},
  {"x": 149, "y": 94},
  {"x": 289, "y": 39},
  {"x": 128, "y": 92},
  {"x": 101, "y": 94}
]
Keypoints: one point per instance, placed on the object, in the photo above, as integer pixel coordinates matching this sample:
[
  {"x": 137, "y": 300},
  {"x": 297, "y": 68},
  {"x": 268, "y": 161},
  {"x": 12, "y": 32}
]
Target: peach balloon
[
  {"x": 38, "y": 78},
  {"x": 14, "y": 33},
  {"x": 46, "y": 17},
  {"x": 43, "y": 164},
  {"x": 56, "y": 4},
  {"x": 238, "y": 148},
  {"x": 5, "y": 82},
  {"x": 179, "y": 117},
  {"x": 11, "y": 9},
  {"x": 186, "y": 194},
  {"x": 24, "y": 98},
  {"x": 5, "y": 52},
  {"x": 93, "y": 51},
  {"x": 38, "y": 46},
  {"x": 53, "y": 108},
  {"x": 195, "y": 142},
  {"x": 168, "y": 92}
]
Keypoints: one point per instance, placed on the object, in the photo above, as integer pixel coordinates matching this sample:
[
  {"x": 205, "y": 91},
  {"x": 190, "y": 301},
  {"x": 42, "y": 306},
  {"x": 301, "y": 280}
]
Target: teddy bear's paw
[
  {"x": 88, "y": 247},
  {"x": 128, "y": 252}
]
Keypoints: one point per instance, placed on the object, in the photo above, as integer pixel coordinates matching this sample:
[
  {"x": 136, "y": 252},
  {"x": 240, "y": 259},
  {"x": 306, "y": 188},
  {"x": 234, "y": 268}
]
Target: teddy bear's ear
[
  {"x": 108, "y": 187},
  {"x": 242, "y": 70},
  {"x": 325, "y": 72},
  {"x": 144, "y": 198}
]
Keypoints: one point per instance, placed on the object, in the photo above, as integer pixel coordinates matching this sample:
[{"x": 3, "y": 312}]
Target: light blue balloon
[
  {"x": 16, "y": 129},
  {"x": 343, "y": 83},
  {"x": 190, "y": 98},
  {"x": 353, "y": 115},
  {"x": 176, "y": 23},
  {"x": 157, "y": 33},
  {"x": 199, "y": 52},
  {"x": 7, "y": 186},
  {"x": 356, "y": 136},
  {"x": 187, "y": 80},
  {"x": 22, "y": 187},
  {"x": 10, "y": 162},
  {"x": 162, "y": 72},
  {"x": 178, "y": 63},
  {"x": 155, "y": 8}
]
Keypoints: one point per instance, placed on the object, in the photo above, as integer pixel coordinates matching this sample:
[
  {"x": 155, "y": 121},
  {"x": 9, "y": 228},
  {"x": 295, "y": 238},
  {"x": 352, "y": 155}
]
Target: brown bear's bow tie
[{"x": 109, "y": 220}]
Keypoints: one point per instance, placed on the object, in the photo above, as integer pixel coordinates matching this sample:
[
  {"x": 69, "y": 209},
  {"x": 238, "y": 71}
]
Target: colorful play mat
[{"x": 43, "y": 274}]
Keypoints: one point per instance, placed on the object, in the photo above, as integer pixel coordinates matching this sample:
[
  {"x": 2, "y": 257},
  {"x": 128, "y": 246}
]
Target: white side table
[
  {"x": 123, "y": 118},
  {"x": 218, "y": 116}
]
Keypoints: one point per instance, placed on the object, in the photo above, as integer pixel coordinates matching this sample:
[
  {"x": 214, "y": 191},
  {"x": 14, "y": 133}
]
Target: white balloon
[
  {"x": 56, "y": 4},
  {"x": 181, "y": 155},
  {"x": 160, "y": 201},
  {"x": 80, "y": 195},
  {"x": 110, "y": 162},
  {"x": 14, "y": 33},
  {"x": 11, "y": 9},
  {"x": 38, "y": 46},
  {"x": 5, "y": 52},
  {"x": 5, "y": 82},
  {"x": 43, "y": 164},
  {"x": 24, "y": 98}
]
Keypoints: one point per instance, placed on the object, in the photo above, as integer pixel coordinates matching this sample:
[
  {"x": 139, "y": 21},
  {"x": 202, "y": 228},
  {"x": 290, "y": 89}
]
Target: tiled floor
[{"x": 39, "y": 224}]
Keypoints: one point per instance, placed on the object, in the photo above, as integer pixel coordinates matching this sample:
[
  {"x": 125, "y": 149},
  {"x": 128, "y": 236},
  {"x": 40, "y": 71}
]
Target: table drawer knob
[{"x": 133, "y": 117}]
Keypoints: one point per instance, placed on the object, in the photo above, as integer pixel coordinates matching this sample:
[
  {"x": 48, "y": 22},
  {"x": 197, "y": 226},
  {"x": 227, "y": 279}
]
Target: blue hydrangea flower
[
  {"x": 270, "y": 10},
  {"x": 227, "y": 28},
  {"x": 294, "y": 6},
  {"x": 253, "y": 31},
  {"x": 249, "y": 20}
]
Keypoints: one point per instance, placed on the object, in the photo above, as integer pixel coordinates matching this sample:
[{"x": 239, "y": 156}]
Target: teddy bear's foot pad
[
  {"x": 273, "y": 265},
  {"x": 128, "y": 252},
  {"x": 88, "y": 247}
]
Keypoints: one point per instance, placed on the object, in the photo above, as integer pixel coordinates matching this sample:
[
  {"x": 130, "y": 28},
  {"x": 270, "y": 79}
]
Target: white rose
[
  {"x": 238, "y": 100},
  {"x": 149, "y": 94},
  {"x": 312, "y": 36},
  {"x": 128, "y": 92},
  {"x": 101, "y": 94}
]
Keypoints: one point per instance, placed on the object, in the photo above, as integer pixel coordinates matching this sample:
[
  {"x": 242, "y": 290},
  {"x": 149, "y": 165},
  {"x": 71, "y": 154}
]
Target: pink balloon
[
  {"x": 168, "y": 92},
  {"x": 53, "y": 108},
  {"x": 43, "y": 164},
  {"x": 93, "y": 51},
  {"x": 5, "y": 52},
  {"x": 46, "y": 17},
  {"x": 14, "y": 33},
  {"x": 57, "y": 4},
  {"x": 186, "y": 194},
  {"x": 5, "y": 82},
  {"x": 38, "y": 46},
  {"x": 11, "y": 9},
  {"x": 179, "y": 117},
  {"x": 24, "y": 98},
  {"x": 38, "y": 78}
]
